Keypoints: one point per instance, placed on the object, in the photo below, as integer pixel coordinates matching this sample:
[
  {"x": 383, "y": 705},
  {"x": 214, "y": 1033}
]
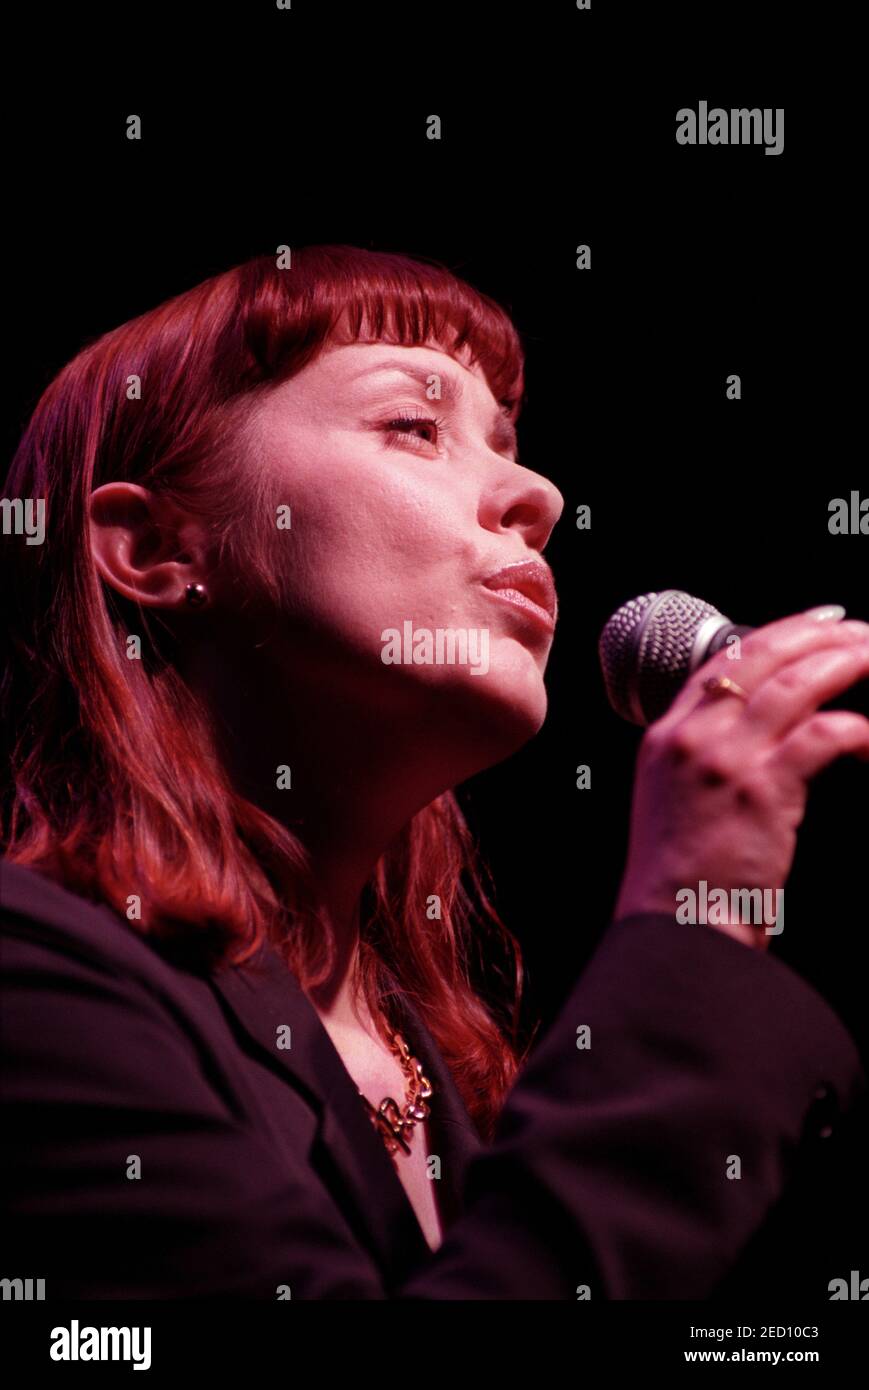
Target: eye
[{"x": 414, "y": 429}]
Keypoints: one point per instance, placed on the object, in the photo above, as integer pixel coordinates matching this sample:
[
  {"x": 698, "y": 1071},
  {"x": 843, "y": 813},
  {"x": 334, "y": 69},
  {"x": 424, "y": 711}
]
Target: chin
[{"x": 505, "y": 708}]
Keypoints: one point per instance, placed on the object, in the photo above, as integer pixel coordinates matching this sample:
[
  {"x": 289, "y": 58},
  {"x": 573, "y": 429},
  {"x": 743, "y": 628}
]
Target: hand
[{"x": 721, "y": 782}]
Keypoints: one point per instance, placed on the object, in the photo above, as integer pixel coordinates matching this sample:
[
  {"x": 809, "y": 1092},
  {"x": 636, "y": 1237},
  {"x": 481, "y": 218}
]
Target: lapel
[{"x": 264, "y": 994}]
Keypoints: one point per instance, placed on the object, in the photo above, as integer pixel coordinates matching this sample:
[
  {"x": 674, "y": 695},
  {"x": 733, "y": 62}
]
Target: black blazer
[{"x": 261, "y": 1171}]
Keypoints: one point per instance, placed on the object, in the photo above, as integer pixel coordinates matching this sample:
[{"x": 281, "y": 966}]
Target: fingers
[
  {"x": 819, "y": 741},
  {"x": 794, "y": 691},
  {"x": 767, "y": 648},
  {"x": 762, "y": 653}
]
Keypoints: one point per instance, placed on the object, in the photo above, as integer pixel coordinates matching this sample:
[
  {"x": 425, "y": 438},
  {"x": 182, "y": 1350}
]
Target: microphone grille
[{"x": 645, "y": 651}]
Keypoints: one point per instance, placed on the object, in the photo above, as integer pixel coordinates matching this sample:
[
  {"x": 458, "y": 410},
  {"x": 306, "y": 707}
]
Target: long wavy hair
[{"x": 112, "y": 782}]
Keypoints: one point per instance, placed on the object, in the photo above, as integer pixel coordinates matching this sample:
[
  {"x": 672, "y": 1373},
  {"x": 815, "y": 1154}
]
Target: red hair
[{"x": 114, "y": 782}]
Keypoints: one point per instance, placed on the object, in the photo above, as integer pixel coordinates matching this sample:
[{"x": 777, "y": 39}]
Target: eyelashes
[
  {"x": 402, "y": 431},
  {"x": 398, "y": 431}
]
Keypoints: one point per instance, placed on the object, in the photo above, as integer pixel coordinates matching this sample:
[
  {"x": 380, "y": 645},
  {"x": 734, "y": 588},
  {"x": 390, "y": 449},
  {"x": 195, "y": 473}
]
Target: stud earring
[{"x": 196, "y": 595}]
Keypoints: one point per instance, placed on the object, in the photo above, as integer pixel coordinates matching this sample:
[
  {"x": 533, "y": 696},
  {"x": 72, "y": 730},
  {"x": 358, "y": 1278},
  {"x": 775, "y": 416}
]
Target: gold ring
[{"x": 723, "y": 685}]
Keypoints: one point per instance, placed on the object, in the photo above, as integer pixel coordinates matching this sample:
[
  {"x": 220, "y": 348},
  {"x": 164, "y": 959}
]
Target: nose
[{"x": 524, "y": 501}]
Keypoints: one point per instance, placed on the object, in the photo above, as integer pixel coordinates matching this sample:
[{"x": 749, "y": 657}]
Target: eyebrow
[{"x": 502, "y": 437}]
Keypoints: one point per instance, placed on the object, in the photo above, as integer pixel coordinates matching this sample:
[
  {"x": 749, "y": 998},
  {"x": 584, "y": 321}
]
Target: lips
[{"x": 530, "y": 578}]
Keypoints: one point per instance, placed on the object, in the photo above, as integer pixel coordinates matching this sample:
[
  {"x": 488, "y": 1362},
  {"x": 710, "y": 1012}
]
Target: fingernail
[{"x": 828, "y": 613}]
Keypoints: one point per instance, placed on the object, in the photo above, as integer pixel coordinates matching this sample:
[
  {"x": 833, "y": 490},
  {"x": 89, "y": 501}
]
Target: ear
[{"x": 144, "y": 546}]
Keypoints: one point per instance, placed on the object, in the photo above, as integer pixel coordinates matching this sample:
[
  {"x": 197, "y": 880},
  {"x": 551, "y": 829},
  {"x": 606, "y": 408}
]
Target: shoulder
[
  {"x": 91, "y": 1010},
  {"x": 49, "y": 928}
]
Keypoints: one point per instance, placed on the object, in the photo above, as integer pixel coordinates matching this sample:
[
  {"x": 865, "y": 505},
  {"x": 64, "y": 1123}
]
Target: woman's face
[{"x": 401, "y": 504}]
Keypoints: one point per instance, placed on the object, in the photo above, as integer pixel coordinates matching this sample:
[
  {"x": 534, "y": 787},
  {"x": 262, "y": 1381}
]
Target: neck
[{"x": 358, "y": 774}]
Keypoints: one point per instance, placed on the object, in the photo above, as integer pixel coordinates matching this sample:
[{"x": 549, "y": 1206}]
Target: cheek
[
  {"x": 427, "y": 518},
  {"x": 372, "y": 541},
  {"x": 397, "y": 533}
]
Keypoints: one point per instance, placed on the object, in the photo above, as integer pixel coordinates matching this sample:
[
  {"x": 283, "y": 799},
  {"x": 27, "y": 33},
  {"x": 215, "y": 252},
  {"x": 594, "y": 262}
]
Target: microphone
[{"x": 652, "y": 644}]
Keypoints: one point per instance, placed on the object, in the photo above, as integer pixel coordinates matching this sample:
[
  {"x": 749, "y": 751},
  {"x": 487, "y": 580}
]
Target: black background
[{"x": 262, "y": 127}]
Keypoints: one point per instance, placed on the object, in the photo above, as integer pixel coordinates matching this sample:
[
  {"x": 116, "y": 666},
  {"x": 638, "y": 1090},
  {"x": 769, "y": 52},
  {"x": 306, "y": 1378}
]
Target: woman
[{"x": 291, "y": 593}]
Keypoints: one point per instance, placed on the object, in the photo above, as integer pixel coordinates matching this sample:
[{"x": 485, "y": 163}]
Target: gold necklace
[{"x": 387, "y": 1118}]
